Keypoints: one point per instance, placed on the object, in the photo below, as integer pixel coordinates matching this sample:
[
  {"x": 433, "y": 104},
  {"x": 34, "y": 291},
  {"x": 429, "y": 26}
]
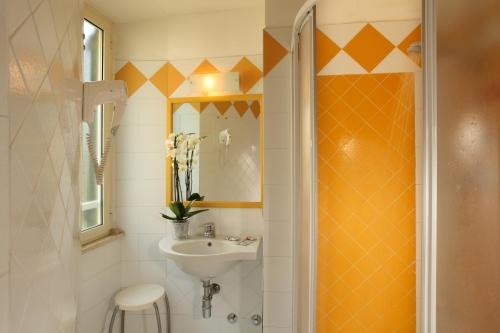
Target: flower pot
[{"x": 181, "y": 229}]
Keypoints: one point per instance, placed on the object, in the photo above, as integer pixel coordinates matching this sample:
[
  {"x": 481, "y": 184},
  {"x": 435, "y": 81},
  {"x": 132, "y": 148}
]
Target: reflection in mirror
[{"x": 229, "y": 168}]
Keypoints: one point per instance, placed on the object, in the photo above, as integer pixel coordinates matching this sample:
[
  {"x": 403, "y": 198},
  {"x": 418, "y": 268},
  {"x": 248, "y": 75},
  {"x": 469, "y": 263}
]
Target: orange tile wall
[{"x": 366, "y": 168}]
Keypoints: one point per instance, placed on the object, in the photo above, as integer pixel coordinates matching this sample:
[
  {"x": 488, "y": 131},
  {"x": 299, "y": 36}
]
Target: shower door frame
[
  {"x": 307, "y": 12},
  {"x": 429, "y": 160}
]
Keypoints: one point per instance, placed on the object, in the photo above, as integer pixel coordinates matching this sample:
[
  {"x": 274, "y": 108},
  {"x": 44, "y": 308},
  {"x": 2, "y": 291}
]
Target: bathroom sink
[{"x": 206, "y": 258}]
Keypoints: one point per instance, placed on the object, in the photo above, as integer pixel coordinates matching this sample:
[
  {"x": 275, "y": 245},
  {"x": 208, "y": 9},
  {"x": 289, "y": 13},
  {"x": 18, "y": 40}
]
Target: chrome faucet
[{"x": 209, "y": 230}]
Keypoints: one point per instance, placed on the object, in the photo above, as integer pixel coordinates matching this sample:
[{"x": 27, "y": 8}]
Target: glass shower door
[{"x": 468, "y": 164}]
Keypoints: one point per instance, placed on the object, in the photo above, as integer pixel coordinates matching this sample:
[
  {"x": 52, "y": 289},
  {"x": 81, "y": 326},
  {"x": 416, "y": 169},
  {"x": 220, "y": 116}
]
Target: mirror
[{"x": 230, "y": 163}]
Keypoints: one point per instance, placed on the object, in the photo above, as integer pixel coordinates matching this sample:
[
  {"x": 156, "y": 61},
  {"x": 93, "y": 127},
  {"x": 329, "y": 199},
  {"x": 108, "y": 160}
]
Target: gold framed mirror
[{"x": 229, "y": 172}]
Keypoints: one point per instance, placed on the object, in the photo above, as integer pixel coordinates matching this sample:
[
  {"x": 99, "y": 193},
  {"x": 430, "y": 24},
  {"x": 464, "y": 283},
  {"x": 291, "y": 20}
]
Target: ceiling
[{"x": 121, "y": 11}]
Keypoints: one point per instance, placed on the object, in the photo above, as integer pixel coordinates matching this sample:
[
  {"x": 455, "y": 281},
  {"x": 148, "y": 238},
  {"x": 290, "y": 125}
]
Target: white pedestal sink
[{"x": 206, "y": 258}]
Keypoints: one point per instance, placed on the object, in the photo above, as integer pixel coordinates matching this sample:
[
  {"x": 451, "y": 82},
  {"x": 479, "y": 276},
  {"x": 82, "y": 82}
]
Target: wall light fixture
[{"x": 215, "y": 84}]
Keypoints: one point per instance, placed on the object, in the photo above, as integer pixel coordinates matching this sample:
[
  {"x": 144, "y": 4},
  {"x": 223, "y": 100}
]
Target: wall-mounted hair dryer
[{"x": 100, "y": 93}]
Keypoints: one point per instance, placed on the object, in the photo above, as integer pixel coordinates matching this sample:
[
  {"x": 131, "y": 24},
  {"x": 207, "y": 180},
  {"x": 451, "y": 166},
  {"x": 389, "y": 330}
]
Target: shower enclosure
[
  {"x": 463, "y": 154},
  {"x": 354, "y": 175},
  {"x": 304, "y": 157},
  {"x": 411, "y": 246}
]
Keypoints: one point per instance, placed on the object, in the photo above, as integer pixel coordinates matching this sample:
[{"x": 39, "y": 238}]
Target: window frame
[{"x": 103, "y": 230}]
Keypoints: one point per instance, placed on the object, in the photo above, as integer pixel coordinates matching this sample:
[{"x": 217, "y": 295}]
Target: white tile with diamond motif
[
  {"x": 396, "y": 31},
  {"x": 341, "y": 34},
  {"x": 44, "y": 252}
]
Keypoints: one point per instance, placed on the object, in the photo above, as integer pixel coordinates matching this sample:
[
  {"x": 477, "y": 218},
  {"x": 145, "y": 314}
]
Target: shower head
[{"x": 415, "y": 47}]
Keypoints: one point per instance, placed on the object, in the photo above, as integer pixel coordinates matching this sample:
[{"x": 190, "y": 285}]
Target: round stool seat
[{"x": 139, "y": 297}]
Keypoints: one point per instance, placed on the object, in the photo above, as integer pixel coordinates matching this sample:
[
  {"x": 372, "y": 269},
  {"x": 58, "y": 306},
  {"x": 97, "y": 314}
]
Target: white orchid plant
[{"x": 183, "y": 150}]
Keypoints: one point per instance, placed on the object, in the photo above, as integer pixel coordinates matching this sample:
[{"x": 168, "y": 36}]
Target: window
[
  {"x": 94, "y": 222},
  {"x": 91, "y": 193}
]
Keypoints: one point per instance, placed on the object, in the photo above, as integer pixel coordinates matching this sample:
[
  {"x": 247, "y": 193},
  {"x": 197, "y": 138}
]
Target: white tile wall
[
  {"x": 278, "y": 199},
  {"x": 29, "y": 54},
  {"x": 140, "y": 199},
  {"x": 140, "y": 181},
  {"x": 44, "y": 130},
  {"x": 99, "y": 280},
  {"x": 192, "y": 36},
  {"x": 344, "y": 11},
  {"x": 281, "y": 13},
  {"x": 277, "y": 310}
]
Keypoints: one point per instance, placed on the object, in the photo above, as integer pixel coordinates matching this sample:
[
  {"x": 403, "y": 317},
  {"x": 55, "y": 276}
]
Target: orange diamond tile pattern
[
  {"x": 326, "y": 50},
  {"x": 196, "y": 106},
  {"x": 223, "y": 106},
  {"x": 274, "y": 52},
  {"x": 205, "y": 67},
  {"x": 132, "y": 77},
  {"x": 414, "y": 36},
  {"x": 160, "y": 79},
  {"x": 174, "y": 79},
  {"x": 176, "y": 107},
  {"x": 203, "y": 106},
  {"x": 249, "y": 74},
  {"x": 369, "y": 47},
  {"x": 241, "y": 107},
  {"x": 366, "y": 199},
  {"x": 255, "y": 107},
  {"x": 167, "y": 79}
]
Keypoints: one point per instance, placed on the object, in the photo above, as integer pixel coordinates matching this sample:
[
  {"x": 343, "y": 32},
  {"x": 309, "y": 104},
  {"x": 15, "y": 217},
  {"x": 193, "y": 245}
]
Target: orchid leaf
[
  {"x": 169, "y": 218},
  {"x": 178, "y": 209},
  {"x": 196, "y": 197},
  {"x": 190, "y": 214}
]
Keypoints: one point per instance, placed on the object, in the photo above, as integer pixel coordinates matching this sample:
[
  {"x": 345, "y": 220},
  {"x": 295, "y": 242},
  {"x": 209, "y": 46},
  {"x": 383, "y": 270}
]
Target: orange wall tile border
[
  {"x": 274, "y": 52},
  {"x": 413, "y": 37},
  {"x": 326, "y": 50},
  {"x": 369, "y": 47},
  {"x": 132, "y": 77},
  {"x": 168, "y": 78},
  {"x": 206, "y": 67},
  {"x": 366, "y": 280}
]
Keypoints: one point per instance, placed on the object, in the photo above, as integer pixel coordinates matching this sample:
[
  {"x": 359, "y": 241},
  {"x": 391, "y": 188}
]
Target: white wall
[
  {"x": 281, "y": 13},
  {"x": 277, "y": 193},
  {"x": 220, "y": 34},
  {"x": 347, "y": 11},
  {"x": 44, "y": 105},
  {"x": 99, "y": 281},
  {"x": 140, "y": 169},
  {"x": 140, "y": 172}
]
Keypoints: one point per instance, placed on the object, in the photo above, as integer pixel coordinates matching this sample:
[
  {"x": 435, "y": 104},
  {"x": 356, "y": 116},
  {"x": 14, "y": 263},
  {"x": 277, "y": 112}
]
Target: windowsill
[{"x": 114, "y": 234}]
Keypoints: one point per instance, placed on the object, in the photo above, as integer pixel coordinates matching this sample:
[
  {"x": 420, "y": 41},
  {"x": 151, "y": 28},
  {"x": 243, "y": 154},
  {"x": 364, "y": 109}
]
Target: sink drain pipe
[{"x": 209, "y": 289}]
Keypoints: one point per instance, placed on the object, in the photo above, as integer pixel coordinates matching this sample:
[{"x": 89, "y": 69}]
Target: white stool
[{"x": 137, "y": 298}]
